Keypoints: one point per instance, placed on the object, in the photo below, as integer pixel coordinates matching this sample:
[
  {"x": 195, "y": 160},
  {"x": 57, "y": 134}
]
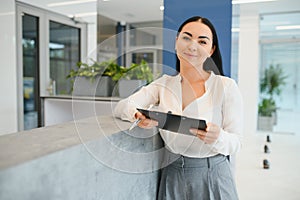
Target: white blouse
[{"x": 221, "y": 104}]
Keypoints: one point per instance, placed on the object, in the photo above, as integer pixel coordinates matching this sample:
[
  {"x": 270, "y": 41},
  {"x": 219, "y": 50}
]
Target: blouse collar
[{"x": 208, "y": 82}]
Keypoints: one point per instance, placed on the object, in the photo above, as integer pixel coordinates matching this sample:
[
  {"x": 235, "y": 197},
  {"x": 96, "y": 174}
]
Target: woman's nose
[{"x": 193, "y": 46}]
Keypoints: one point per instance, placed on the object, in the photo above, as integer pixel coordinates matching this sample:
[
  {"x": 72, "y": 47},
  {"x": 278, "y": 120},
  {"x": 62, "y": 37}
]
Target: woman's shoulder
[{"x": 227, "y": 81}]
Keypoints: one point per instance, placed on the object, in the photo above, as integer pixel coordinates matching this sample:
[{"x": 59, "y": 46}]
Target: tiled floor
[{"x": 282, "y": 180}]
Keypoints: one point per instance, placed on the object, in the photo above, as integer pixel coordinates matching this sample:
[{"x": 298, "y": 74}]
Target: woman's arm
[
  {"x": 229, "y": 140},
  {"x": 126, "y": 108}
]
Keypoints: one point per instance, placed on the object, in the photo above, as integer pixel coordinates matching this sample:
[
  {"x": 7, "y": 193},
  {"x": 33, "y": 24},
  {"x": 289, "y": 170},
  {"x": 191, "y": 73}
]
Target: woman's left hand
[{"x": 210, "y": 135}]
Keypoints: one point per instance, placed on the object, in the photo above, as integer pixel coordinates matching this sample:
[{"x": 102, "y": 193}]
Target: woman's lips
[{"x": 190, "y": 55}]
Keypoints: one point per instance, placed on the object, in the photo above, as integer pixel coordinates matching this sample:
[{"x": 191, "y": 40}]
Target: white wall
[
  {"x": 248, "y": 73},
  {"x": 92, "y": 36},
  {"x": 8, "y": 75}
]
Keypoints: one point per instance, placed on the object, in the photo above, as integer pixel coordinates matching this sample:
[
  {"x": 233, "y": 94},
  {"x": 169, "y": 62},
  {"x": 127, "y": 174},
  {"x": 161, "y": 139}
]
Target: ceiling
[
  {"x": 281, "y": 12},
  {"x": 140, "y": 11},
  {"x": 131, "y": 11}
]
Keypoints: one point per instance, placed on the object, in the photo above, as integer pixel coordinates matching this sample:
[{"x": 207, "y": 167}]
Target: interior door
[
  {"x": 30, "y": 75},
  {"x": 48, "y": 46}
]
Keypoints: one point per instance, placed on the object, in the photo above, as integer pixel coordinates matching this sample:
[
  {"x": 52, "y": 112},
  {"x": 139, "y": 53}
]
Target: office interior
[{"x": 48, "y": 35}]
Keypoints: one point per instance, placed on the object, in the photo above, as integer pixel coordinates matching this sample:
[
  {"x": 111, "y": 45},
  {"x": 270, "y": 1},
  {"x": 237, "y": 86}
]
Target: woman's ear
[{"x": 212, "y": 50}]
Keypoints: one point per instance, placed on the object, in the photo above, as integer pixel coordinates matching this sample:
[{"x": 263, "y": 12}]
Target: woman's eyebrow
[
  {"x": 200, "y": 37},
  {"x": 205, "y": 37},
  {"x": 188, "y": 34}
]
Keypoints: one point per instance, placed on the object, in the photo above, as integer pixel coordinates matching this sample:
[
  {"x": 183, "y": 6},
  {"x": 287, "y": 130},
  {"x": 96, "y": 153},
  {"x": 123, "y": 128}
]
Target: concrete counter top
[
  {"x": 94, "y": 98},
  {"x": 22, "y": 146},
  {"x": 93, "y": 158}
]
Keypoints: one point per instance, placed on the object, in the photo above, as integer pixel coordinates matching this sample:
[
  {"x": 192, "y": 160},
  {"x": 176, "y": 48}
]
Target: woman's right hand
[{"x": 145, "y": 123}]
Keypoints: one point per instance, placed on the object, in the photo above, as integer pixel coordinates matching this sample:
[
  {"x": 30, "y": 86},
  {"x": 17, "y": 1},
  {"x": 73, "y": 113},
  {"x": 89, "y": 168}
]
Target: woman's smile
[{"x": 190, "y": 55}]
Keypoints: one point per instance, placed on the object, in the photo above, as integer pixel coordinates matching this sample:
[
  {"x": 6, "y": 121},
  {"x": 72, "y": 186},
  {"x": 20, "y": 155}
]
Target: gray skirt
[{"x": 198, "y": 179}]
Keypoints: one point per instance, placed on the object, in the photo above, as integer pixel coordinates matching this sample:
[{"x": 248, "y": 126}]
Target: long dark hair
[{"x": 214, "y": 63}]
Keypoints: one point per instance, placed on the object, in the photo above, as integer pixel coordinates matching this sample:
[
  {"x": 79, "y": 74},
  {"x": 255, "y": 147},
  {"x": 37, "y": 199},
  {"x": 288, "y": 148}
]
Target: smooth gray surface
[
  {"x": 22, "y": 146},
  {"x": 92, "y": 167}
]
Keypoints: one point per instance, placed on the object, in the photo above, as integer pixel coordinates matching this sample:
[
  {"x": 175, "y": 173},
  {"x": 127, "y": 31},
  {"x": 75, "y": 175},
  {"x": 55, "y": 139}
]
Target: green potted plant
[
  {"x": 136, "y": 76},
  {"x": 267, "y": 107},
  {"x": 271, "y": 86},
  {"x": 96, "y": 78}
]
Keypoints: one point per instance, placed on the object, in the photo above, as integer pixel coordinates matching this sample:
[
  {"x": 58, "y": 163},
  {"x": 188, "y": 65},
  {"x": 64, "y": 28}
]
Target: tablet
[{"x": 175, "y": 123}]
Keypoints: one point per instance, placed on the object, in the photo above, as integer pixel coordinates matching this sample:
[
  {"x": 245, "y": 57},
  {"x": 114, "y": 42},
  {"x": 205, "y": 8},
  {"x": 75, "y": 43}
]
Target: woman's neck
[{"x": 193, "y": 74}]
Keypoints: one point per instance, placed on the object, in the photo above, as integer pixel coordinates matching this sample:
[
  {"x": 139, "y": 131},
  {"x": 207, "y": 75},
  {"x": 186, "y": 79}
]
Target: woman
[{"x": 201, "y": 170}]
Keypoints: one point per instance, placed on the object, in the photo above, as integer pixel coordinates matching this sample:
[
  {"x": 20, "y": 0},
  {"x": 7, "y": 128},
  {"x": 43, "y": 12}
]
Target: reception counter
[{"x": 92, "y": 158}]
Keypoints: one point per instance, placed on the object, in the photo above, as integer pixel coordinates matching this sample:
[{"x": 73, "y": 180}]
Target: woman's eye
[
  {"x": 202, "y": 42},
  {"x": 186, "y": 38}
]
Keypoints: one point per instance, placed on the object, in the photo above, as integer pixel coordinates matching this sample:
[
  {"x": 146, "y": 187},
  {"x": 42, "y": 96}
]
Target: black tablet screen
[{"x": 175, "y": 123}]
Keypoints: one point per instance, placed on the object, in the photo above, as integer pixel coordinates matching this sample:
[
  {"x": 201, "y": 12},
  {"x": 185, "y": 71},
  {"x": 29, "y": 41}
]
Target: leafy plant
[
  {"x": 267, "y": 107},
  {"x": 110, "y": 68},
  {"x": 270, "y": 86},
  {"x": 107, "y": 68},
  {"x": 140, "y": 71},
  {"x": 272, "y": 81}
]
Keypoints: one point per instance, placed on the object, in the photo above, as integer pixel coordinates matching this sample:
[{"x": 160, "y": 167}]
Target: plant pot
[
  {"x": 128, "y": 87},
  {"x": 265, "y": 123},
  {"x": 274, "y": 115},
  {"x": 102, "y": 86}
]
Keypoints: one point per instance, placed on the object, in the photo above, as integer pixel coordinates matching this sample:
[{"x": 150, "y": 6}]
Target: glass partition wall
[
  {"x": 130, "y": 42},
  {"x": 145, "y": 43},
  {"x": 280, "y": 47},
  {"x": 285, "y": 55},
  {"x": 131, "y": 34}
]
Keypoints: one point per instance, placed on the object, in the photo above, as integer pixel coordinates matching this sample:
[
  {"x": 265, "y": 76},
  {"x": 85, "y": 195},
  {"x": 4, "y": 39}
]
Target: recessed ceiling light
[
  {"x": 250, "y": 1},
  {"x": 87, "y": 14},
  {"x": 288, "y": 27},
  {"x": 66, "y": 3},
  {"x": 161, "y": 8}
]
